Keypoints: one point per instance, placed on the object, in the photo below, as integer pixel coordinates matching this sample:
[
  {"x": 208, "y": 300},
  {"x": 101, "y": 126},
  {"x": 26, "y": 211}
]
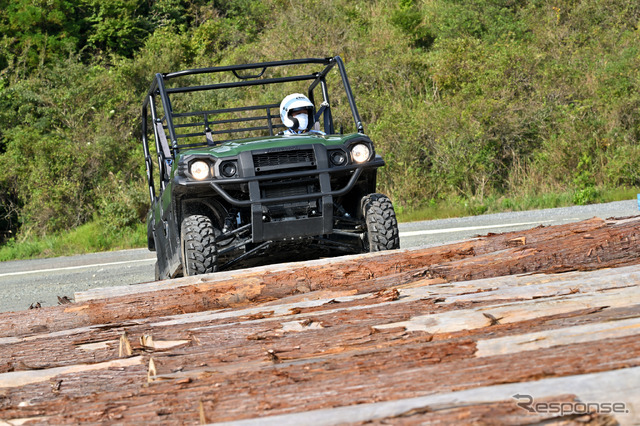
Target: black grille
[
  {"x": 285, "y": 158},
  {"x": 286, "y": 191},
  {"x": 289, "y": 187}
]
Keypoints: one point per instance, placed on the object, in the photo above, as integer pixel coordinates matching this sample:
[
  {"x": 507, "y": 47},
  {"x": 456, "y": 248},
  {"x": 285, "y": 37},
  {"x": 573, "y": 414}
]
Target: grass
[
  {"x": 93, "y": 237},
  {"x": 456, "y": 208},
  {"x": 88, "y": 238}
]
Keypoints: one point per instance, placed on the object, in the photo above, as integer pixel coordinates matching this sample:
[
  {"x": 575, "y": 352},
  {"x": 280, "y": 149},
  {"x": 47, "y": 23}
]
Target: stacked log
[{"x": 524, "y": 327}]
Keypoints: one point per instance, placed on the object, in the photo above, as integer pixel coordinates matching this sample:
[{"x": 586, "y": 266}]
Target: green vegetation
[
  {"x": 476, "y": 106},
  {"x": 466, "y": 207},
  {"x": 88, "y": 238}
]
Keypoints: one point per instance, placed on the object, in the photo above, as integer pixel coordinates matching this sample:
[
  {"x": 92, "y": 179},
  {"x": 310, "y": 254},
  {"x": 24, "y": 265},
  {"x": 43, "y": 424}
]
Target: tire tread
[
  {"x": 382, "y": 225},
  {"x": 200, "y": 254}
]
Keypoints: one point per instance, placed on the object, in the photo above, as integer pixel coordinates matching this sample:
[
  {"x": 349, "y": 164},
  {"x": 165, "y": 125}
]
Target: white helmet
[{"x": 294, "y": 103}]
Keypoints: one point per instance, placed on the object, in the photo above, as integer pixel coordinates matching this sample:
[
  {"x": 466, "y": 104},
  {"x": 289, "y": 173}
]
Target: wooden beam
[{"x": 383, "y": 338}]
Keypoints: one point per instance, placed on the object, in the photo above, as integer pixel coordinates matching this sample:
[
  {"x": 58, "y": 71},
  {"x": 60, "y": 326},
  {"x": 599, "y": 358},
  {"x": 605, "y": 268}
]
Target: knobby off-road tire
[
  {"x": 382, "y": 225},
  {"x": 199, "y": 251}
]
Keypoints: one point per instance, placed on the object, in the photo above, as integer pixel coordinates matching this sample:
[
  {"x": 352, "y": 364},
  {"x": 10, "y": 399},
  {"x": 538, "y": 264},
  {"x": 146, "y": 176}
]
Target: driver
[{"x": 296, "y": 112}]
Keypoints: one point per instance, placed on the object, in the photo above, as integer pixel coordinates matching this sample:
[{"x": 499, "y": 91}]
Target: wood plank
[
  {"x": 22, "y": 378},
  {"x": 611, "y": 386},
  {"x": 305, "y": 341},
  {"x": 469, "y": 319},
  {"x": 525, "y": 287},
  {"x": 559, "y": 337},
  {"x": 613, "y": 244},
  {"x": 595, "y": 231}
]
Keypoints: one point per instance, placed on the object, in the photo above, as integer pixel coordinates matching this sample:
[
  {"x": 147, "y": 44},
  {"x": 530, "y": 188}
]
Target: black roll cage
[{"x": 166, "y": 151}]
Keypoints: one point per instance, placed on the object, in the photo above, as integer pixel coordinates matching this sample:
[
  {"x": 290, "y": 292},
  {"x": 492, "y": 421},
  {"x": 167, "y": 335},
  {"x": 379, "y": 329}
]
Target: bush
[
  {"x": 121, "y": 204},
  {"x": 469, "y": 102}
]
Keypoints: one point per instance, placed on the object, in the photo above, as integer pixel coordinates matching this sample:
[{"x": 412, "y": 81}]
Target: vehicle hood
[{"x": 233, "y": 148}]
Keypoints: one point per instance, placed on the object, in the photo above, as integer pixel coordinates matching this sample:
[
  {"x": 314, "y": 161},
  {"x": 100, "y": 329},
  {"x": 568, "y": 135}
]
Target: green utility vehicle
[{"x": 232, "y": 186}]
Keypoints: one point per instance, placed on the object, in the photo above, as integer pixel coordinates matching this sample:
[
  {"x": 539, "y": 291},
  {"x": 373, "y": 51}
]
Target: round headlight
[
  {"x": 199, "y": 170},
  {"x": 228, "y": 169},
  {"x": 360, "y": 153},
  {"x": 338, "y": 158}
]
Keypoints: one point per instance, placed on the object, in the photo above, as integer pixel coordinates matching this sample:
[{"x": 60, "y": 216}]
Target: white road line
[
  {"x": 468, "y": 228},
  {"x": 69, "y": 268}
]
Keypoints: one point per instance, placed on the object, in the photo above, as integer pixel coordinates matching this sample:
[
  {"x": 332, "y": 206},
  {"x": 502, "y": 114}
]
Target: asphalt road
[{"x": 26, "y": 282}]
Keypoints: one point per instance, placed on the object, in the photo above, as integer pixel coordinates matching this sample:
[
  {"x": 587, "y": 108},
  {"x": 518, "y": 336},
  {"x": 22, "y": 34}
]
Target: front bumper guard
[
  {"x": 357, "y": 172},
  {"x": 292, "y": 229}
]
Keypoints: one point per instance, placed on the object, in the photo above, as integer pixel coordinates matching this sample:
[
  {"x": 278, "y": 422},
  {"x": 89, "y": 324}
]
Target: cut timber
[
  {"x": 588, "y": 387},
  {"x": 551, "y": 249},
  {"x": 478, "y": 330},
  {"x": 548, "y": 249},
  {"x": 468, "y": 319},
  {"x": 22, "y": 378},
  {"x": 559, "y": 337}
]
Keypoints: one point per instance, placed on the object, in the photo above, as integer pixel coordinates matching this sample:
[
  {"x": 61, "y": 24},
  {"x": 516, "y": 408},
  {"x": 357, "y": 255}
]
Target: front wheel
[
  {"x": 382, "y": 226},
  {"x": 199, "y": 251}
]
